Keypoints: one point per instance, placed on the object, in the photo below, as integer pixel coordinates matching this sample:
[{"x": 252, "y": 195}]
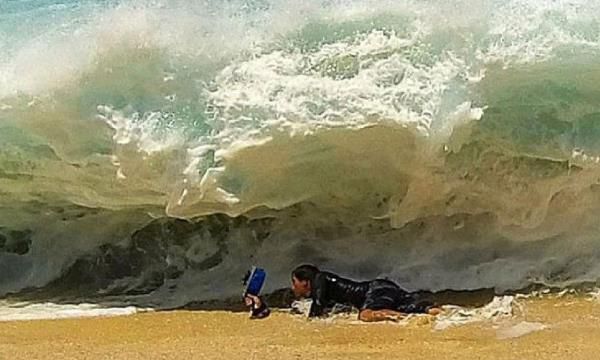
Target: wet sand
[{"x": 573, "y": 333}]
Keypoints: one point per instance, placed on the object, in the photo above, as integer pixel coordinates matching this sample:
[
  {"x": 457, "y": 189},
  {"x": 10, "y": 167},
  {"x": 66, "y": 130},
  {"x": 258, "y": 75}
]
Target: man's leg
[
  {"x": 422, "y": 307},
  {"x": 385, "y": 295},
  {"x": 368, "y": 315},
  {"x": 380, "y": 302}
]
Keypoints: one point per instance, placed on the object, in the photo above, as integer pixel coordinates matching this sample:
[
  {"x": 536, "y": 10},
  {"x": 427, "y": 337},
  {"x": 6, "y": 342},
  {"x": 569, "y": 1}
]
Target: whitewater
[{"x": 153, "y": 151}]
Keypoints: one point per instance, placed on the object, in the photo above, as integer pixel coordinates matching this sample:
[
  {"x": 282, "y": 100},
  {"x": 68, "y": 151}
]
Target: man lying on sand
[{"x": 376, "y": 300}]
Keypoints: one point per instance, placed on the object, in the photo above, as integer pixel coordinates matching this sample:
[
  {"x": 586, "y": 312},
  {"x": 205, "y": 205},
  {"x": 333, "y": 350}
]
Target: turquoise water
[{"x": 157, "y": 149}]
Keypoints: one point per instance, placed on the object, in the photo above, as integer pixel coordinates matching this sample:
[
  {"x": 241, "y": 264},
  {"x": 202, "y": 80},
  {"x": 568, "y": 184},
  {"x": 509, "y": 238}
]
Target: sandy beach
[{"x": 572, "y": 330}]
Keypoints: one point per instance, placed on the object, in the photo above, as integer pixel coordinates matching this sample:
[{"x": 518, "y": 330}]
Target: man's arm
[{"x": 317, "y": 308}]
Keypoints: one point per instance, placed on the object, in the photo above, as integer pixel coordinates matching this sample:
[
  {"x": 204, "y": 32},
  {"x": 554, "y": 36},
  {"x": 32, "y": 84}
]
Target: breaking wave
[{"x": 156, "y": 151}]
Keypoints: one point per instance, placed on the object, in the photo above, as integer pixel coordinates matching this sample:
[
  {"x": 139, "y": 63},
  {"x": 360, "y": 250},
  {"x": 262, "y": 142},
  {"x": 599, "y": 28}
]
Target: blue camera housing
[{"x": 255, "y": 281}]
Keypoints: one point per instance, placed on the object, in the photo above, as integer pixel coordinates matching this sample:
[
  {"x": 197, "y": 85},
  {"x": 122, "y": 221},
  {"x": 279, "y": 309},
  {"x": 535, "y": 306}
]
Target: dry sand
[{"x": 573, "y": 333}]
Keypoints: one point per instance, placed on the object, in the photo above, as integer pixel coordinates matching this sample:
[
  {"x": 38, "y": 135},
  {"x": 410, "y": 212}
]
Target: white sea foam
[{"x": 49, "y": 311}]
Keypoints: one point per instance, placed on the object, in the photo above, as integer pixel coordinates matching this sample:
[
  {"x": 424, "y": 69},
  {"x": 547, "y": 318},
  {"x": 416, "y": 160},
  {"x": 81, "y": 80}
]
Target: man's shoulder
[{"x": 327, "y": 275}]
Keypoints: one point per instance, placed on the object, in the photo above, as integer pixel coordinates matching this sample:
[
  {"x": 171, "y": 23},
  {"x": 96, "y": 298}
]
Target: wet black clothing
[{"x": 329, "y": 289}]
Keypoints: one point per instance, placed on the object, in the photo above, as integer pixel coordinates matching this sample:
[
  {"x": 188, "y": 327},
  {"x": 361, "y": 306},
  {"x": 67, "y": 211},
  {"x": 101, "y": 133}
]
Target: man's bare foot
[
  {"x": 434, "y": 311},
  {"x": 394, "y": 317}
]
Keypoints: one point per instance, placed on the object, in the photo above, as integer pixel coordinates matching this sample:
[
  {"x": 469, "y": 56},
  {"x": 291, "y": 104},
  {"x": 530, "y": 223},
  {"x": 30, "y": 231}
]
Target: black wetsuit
[{"x": 329, "y": 289}]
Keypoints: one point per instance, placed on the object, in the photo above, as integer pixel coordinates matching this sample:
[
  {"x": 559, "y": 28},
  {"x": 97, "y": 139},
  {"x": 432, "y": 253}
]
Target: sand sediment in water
[{"x": 573, "y": 332}]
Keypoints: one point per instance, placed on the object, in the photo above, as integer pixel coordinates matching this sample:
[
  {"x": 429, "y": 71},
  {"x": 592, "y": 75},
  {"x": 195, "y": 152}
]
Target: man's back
[{"x": 329, "y": 288}]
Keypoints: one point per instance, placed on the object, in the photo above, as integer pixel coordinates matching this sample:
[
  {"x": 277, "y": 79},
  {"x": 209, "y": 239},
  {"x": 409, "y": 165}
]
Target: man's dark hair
[{"x": 305, "y": 272}]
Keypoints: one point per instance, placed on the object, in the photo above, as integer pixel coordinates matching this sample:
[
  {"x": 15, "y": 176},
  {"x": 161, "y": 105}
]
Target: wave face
[{"x": 156, "y": 150}]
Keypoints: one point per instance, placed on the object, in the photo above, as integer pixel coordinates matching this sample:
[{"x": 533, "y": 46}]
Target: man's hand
[
  {"x": 252, "y": 300},
  {"x": 259, "y": 308}
]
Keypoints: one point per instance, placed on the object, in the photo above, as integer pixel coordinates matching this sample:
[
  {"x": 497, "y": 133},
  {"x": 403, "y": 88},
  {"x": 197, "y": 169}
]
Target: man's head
[{"x": 302, "y": 279}]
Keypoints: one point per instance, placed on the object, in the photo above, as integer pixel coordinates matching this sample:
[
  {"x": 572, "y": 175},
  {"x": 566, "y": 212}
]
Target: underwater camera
[{"x": 254, "y": 281}]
